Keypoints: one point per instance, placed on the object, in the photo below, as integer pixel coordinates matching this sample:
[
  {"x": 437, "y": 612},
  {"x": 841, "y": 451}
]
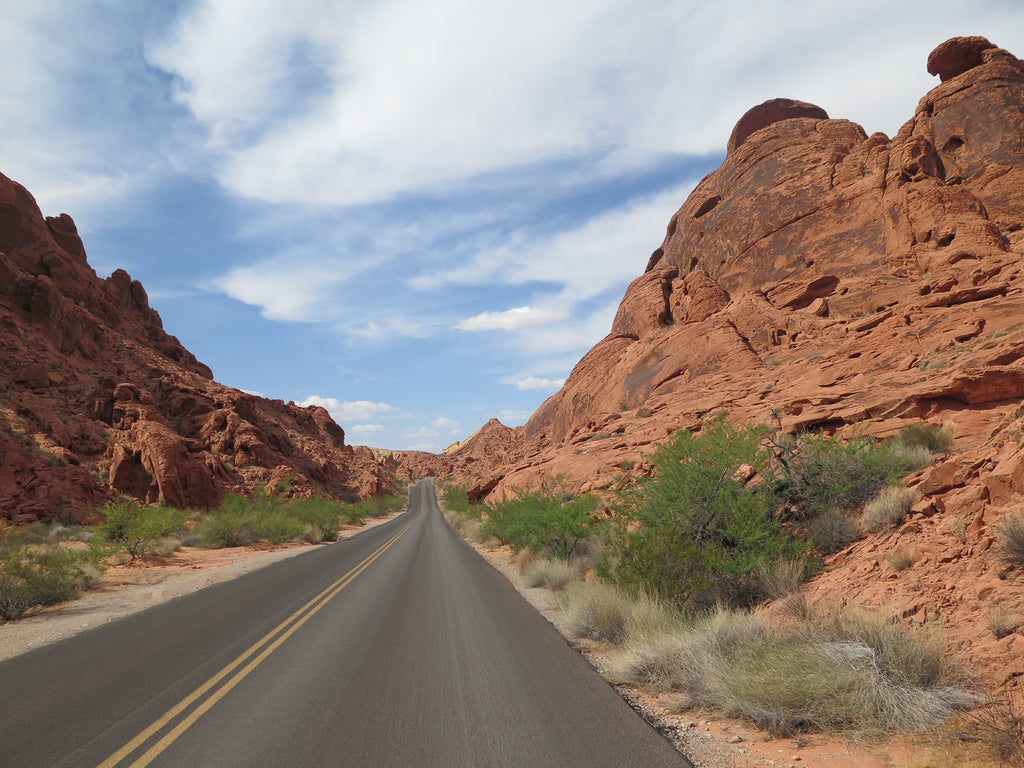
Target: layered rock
[
  {"x": 824, "y": 278},
  {"x": 98, "y": 400}
]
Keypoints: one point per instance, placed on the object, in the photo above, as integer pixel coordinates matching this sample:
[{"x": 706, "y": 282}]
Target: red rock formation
[
  {"x": 822, "y": 278},
  {"x": 97, "y": 399}
]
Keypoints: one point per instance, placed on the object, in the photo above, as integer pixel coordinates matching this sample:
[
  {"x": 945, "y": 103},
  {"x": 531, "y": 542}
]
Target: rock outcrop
[
  {"x": 96, "y": 399},
  {"x": 824, "y": 278}
]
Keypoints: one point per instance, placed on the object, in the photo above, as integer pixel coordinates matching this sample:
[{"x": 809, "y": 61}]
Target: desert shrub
[
  {"x": 40, "y": 576},
  {"x": 238, "y": 522},
  {"x": 377, "y": 506},
  {"x": 856, "y": 674},
  {"x": 703, "y": 532},
  {"x": 832, "y": 531},
  {"x": 321, "y": 516},
  {"x": 783, "y": 577},
  {"x": 827, "y": 473},
  {"x": 602, "y": 611},
  {"x": 542, "y": 521},
  {"x": 900, "y": 559},
  {"x": 550, "y": 574},
  {"x": 997, "y": 727},
  {"x": 135, "y": 527},
  {"x": 932, "y": 437},
  {"x": 166, "y": 546},
  {"x": 1011, "y": 539},
  {"x": 454, "y": 498},
  {"x": 888, "y": 507}
]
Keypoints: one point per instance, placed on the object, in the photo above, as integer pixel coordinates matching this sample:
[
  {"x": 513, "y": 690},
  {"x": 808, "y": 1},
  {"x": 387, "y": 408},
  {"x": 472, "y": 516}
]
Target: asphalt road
[{"x": 398, "y": 647}]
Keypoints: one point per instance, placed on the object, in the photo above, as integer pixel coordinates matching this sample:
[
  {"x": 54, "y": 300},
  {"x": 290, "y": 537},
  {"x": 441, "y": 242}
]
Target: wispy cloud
[
  {"x": 532, "y": 382},
  {"x": 511, "y": 319},
  {"x": 345, "y": 412}
]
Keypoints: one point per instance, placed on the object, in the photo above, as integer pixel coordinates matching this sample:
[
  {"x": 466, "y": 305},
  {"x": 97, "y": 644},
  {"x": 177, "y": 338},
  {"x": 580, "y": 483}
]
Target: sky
[{"x": 419, "y": 214}]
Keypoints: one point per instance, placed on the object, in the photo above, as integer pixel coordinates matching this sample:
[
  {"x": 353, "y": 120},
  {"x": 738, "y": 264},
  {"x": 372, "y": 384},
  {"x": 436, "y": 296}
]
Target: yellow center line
[{"x": 296, "y": 620}]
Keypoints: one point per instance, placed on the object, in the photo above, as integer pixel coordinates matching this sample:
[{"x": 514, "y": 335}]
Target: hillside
[
  {"x": 827, "y": 279},
  {"x": 98, "y": 400}
]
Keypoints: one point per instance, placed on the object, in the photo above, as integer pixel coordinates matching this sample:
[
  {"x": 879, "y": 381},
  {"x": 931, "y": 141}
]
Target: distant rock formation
[{"x": 96, "y": 399}]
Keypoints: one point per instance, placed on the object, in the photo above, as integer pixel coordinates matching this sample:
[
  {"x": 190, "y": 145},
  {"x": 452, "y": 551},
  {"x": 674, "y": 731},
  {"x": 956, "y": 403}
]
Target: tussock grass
[
  {"x": 888, "y": 507},
  {"x": 832, "y": 531},
  {"x": 931, "y": 437},
  {"x": 1011, "y": 539},
  {"x": 998, "y": 728},
  {"x": 856, "y": 674},
  {"x": 551, "y": 574},
  {"x": 781, "y": 578},
  {"x": 601, "y": 611}
]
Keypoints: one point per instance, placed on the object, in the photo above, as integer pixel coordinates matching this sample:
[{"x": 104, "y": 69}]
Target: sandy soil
[{"x": 125, "y": 589}]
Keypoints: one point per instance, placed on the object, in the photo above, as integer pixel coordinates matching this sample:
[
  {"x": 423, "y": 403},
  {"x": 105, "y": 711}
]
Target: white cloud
[
  {"x": 349, "y": 411},
  {"x": 605, "y": 251},
  {"x": 511, "y": 319},
  {"x": 283, "y": 290},
  {"x": 443, "y": 422},
  {"x": 345, "y": 103},
  {"x": 366, "y": 429},
  {"x": 514, "y": 418},
  {"x": 532, "y": 382}
]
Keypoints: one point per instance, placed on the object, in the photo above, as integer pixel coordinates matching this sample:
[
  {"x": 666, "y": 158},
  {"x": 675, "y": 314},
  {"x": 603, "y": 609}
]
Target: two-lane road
[{"x": 398, "y": 647}]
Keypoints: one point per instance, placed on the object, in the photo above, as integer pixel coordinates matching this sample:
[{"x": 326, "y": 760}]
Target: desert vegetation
[
  {"x": 43, "y": 565},
  {"x": 732, "y": 517}
]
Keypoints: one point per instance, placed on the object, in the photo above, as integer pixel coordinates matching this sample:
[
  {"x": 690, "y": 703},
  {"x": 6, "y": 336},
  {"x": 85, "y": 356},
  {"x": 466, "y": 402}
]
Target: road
[{"x": 398, "y": 647}]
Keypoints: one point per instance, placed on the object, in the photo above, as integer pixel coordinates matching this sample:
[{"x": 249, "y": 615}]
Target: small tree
[
  {"x": 38, "y": 576},
  {"x": 704, "y": 533},
  {"x": 542, "y": 520},
  {"x": 136, "y": 527}
]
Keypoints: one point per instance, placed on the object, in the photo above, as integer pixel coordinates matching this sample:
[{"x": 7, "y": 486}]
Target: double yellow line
[{"x": 260, "y": 650}]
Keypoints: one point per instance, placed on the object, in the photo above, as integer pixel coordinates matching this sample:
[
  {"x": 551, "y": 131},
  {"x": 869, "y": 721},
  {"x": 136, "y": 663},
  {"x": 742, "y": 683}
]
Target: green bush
[
  {"x": 377, "y": 506},
  {"x": 542, "y": 521},
  {"x": 135, "y": 527},
  {"x": 40, "y": 576},
  {"x": 322, "y": 514},
  {"x": 826, "y": 473},
  {"x": 704, "y": 534},
  {"x": 454, "y": 498},
  {"x": 244, "y": 528}
]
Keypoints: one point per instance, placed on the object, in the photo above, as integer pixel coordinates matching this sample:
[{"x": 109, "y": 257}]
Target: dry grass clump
[
  {"x": 855, "y": 674},
  {"x": 782, "y": 577},
  {"x": 1011, "y": 539},
  {"x": 997, "y": 728},
  {"x": 601, "y": 611},
  {"x": 167, "y": 546},
  {"x": 888, "y": 507},
  {"x": 551, "y": 574}
]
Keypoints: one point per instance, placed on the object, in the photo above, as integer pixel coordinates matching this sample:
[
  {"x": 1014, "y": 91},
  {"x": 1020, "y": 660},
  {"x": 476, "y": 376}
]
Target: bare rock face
[
  {"x": 826, "y": 279},
  {"x": 98, "y": 400}
]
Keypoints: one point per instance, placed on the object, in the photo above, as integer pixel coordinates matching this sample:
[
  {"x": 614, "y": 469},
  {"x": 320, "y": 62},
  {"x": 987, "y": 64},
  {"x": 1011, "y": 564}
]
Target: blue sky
[{"x": 418, "y": 213}]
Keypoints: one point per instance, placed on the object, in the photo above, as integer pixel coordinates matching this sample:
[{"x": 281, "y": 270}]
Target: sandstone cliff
[
  {"x": 96, "y": 399},
  {"x": 824, "y": 278}
]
